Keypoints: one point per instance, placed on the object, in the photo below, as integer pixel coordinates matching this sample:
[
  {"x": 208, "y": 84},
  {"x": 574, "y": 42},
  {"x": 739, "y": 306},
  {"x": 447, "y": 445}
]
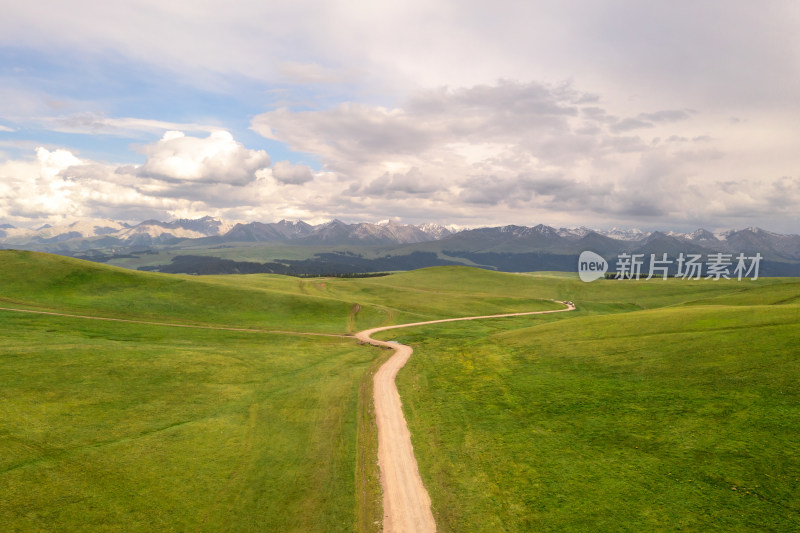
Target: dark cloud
[
  {"x": 641, "y": 207},
  {"x": 552, "y": 190}
]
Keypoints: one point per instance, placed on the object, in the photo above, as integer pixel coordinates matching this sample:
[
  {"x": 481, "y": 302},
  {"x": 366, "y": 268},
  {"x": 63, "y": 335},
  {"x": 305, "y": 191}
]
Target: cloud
[
  {"x": 35, "y": 188},
  {"x": 52, "y": 163},
  {"x": 506, "y": 152},
  {"x": 625, "y": 47},
  {"x": 393, "y": 185},
  {"x": 544, "y": 190},
  {"x": 661, "y": 186},
  {"x": 670, "y": 115},
  {"x": 511, "y": 149},
  {"x": 181, "y": 174},
  {"x": 630, "y": 124},
  {"x": 214, "y": 175},
  {"x": 298, "y": 72},
  {"x": 421, "y": 128},
  {"x": 441, "y": 123},
  {"x": 99, "y": 124},
  {"x": 218, "y": 158},
  {"x": 510, "y": 143},
  {"x": 6, "y": 128},
  {"x": 285, "y": 172}
]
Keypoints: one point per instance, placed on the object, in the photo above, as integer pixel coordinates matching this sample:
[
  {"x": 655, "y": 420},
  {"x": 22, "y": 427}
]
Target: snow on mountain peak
[
  {"x": 633, "y": 234},
  {"x": 436, "y": 231},
  {"x": 575, "y": 233}
]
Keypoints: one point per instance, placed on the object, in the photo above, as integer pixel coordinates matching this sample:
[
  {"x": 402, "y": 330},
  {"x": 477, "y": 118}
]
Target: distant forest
[
  {"x": 348, "y": 264},
  {"x": 323, "y": 264}
]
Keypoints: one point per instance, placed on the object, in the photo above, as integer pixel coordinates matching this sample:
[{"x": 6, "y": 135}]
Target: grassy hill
[
  {"x": 125, "y": 426},
  {"x": 109, "y": 426},
  {"x": 655, "y": 405},
  {"x": 686, "y": 416},
  {"x": 62, "y": 283}
]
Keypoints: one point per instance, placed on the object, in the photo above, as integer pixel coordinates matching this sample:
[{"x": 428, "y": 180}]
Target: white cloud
[
  {"x": 425, "y": 130},
  {"x": 433, "y": 128},
  {"x": 285, "y": 172},
  {"x": 218, "y": 158},
  {"x": 508, "y": 152},
  {"x": 298, "y": 72},
  {"x": 6, "y": 128},
  {"x": 661, "y": 54},
  {"x": 35, "y": 188},
  {"x": 511, "y": 150},
  {"x": 52, "y": 163},
  {"x": 99, "y": 124},
  {"x": 392, "y": 185},
  {"x": 204, "y": 176}
]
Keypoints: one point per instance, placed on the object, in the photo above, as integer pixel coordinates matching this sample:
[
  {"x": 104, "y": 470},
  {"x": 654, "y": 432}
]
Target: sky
[{"x": 628, "y": 114}]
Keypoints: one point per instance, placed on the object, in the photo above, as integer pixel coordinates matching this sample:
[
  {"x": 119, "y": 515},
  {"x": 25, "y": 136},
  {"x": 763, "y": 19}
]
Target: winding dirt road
[{"x": 406, "y": 504}]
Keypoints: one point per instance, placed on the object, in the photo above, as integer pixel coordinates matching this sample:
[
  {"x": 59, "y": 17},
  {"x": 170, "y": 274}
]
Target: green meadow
[
  {"x": 681, "y": 415},
  {"x": 659, "y": 405}
]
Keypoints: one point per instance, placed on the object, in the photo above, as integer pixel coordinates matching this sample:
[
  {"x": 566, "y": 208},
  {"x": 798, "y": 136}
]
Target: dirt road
[
  {"x": 406, "y": 504},
  {"x": 173, "y": 325}
]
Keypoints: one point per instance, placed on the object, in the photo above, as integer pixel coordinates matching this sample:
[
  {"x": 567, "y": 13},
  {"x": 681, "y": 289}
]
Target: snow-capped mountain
[
  {"x": 181, "y": 229},
  {"x": 82, "y": 229},
  {"x": 111, "y": 231},
  {"x": 116, "y": 236},
  {"x": 620, "y": 234},
  {"x": 574, "y": 233},
  {"x": 437, "y": 231},
  {"x": 337, "y": 232}
]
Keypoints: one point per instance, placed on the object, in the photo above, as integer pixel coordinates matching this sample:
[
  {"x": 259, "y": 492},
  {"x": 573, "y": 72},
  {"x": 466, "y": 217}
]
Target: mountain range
[
  {"x": 83, "y": 235},
  {"x": 511, "y": 247}
]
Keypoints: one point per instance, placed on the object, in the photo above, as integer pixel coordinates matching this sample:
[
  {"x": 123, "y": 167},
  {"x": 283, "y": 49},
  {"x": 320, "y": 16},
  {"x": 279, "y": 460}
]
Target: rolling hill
[{"x": 655, "y": 405}]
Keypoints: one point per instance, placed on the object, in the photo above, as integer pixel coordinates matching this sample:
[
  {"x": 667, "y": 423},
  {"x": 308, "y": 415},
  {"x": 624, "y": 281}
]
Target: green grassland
[
  {"x": 680, "y": 417},
  {"x": 655, "y": 405},
  {"x": 109, "y": 427}
]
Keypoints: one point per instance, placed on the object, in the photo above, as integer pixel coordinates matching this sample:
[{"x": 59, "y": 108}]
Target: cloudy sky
[{"x": 656, "y": 115}]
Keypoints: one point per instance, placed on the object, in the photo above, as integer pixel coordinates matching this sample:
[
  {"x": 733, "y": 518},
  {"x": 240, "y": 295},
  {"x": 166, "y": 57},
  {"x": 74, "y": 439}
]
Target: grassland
[
  {"x": 656, "y": 405},
  {"x": 683, "y": 416},
  {"x": 126, "y": 426},
  {"x": 109, "y": 427}
]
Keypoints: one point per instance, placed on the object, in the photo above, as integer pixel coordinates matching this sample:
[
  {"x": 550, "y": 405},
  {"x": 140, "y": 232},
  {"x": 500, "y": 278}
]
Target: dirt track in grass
[
  {"x": 406, "y": 504},
  {"x": 170, "y": 324}
]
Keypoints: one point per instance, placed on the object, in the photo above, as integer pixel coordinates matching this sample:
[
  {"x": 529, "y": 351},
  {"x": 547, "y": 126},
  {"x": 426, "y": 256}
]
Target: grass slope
[
  {"x": 109, "y": 427},
  {"x": 123, "y": 426},
  {"x": 655, "y": 405},
  {"x": 682, "y": 417},
  {"x": 32, "y": 280}
]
